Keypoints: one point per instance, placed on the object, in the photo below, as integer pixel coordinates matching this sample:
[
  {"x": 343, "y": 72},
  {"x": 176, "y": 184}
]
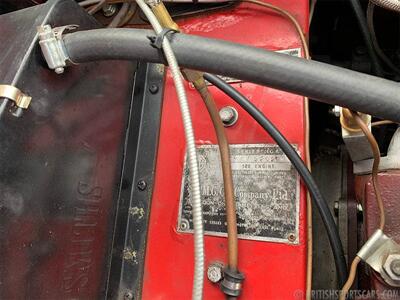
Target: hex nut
[
  {"x": 141, "y": 185},
  {"x": 395, "y": 267},
  {"x": 392, "y": 266},
  {"x": 215, "y": 272}
]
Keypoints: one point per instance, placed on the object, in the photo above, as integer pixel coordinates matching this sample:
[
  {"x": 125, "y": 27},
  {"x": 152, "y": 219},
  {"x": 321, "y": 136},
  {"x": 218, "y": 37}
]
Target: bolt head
[
  {"x": 153, "y": 89},
  {"x": 228, "y": 115},
  {"x": 215, "y": 272},
  {"x": 142, "y": 185},
  {"x": 109, "y": 10},
  {"x": 336, "y": 111}
]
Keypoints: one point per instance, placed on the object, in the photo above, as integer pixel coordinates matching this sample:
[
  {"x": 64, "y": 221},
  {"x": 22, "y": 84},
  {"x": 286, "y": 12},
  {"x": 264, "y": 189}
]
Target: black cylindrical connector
[{"x": 231, "y": 285}]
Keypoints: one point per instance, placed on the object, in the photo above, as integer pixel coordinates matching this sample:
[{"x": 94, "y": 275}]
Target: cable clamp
[
  {"x": 53, "y": 48},
  {"x": 156, "y": 41},
  {"x": 10, "y": 92}
]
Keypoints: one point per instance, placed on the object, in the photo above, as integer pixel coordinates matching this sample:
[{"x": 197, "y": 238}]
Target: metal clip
[
  {"x": 52, "y": 45},
  {"x": 12, "y": 93},
  {"x": 379, "y": 252}
]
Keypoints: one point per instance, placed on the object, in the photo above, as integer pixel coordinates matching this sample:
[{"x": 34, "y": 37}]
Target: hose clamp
[
  {"x": 157, "y": 41},
  {"x": 10, "y": 92},
  {"x": 53, "y": 48}
]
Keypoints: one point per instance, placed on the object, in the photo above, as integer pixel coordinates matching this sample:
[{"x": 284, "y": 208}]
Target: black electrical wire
[
  {"x": 362, "y": 24},
  {"x": 319, "y": 201}
]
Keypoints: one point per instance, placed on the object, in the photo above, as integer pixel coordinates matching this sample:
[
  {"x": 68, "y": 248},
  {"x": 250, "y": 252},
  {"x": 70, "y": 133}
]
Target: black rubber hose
[
  {"x": 362, "y": 24},
  {"x": 319, "y": 81},
  {"x": 319, "y": 201}
]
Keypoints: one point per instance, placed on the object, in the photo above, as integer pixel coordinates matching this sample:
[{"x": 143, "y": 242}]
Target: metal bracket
[
  {"x": 356, "y": 142},
  {"x": 377, "y": 252},
  {"x": 52, "y": 45},
  {"x": 12, "y": 93}
]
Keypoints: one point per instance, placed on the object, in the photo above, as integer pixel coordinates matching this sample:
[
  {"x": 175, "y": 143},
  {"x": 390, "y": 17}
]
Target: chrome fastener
[
  {"x": 215, "y": 272},
  {"x": 228, "y": 115}
]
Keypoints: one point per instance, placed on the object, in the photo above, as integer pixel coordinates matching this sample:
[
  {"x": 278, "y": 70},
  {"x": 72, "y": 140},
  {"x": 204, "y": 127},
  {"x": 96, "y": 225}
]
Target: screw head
[
  {"x": 214, "y": 272},
  {"x": 184, "y": 225},
  {"x": 141, "y": 185},
  {"x": 292, "y": 237},
  {"x": 109, "y": 10},
  {"x": 153, "y": 89},
  {"x": 336, "y": 111},
  {"x": 228, "y": 115}
]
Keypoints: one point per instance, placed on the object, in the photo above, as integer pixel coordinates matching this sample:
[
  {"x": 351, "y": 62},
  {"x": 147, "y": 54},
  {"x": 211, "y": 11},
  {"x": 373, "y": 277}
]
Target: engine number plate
[{"x": 267, "y": 192}]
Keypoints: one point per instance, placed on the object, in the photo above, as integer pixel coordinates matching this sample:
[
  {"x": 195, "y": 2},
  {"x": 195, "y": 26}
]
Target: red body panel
[{"x": 272, "y": 270}]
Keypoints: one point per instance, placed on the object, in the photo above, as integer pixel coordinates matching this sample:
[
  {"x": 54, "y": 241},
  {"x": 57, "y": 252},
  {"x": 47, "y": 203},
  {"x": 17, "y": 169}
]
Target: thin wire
[
  {"x": 375, "y": 43},
  {"x": 373, "y": 124},
  {"x": 198, "y": 279},
  {"x": 363, "y": 26},
  {"x": 388, "y": 4},
  {"x": 97, "y": 7},
  {"x": 383, "y": 122},
  {"x": 120, "y": 16},
  {"x": 304, "y": 43},
  {"x": 196, "y": 78},
  {"x": 300, "y": 166},
  {"x": 312, "y": 10},
  {"x": 350, "y": 280},
  {"x": 375, "y": 169},
  {"x": 230, "y": 201},
  {"x": 88, "y": 2},
  {"x": 131, "y": 13}
]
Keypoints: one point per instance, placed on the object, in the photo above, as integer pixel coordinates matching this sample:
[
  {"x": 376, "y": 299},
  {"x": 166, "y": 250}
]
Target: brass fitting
[{"x": 163, "y": 16}]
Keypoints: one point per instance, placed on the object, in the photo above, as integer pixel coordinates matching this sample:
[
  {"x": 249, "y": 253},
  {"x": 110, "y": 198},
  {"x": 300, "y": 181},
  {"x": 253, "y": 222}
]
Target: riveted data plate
[{"x": 267, "y": 191}]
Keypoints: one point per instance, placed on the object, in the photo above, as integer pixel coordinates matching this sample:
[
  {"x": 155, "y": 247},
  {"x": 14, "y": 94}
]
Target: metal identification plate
[{"x": 267, "y": 191}]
